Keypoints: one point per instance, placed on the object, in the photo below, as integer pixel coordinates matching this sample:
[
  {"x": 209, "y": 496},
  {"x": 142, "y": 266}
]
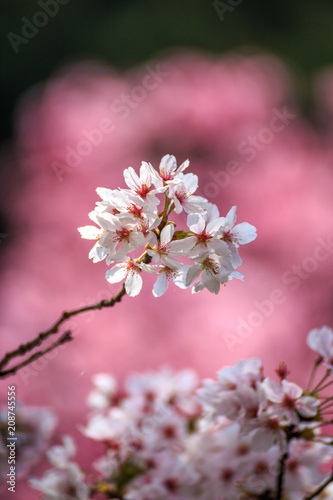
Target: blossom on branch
[{"x": 130, "y": 220}]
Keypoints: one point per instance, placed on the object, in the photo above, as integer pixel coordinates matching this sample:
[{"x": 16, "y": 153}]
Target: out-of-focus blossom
[
  {"x": 321, "y": 341},
  {"x": 224, "y": 441},
  {"x": 33, "y": 429}
]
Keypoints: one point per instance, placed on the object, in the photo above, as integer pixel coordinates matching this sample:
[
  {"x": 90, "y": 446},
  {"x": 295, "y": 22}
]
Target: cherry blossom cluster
[
  {"x": 242, "y": 436},
  {"x": 130, "y": 222}
]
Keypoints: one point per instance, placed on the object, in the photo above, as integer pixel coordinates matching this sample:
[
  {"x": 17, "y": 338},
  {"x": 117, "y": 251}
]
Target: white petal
[
  {"x": 216, "y": 226},
  {"x": 170, "y": 262},
  {"x": 133, "y": 284},
  {"x": 156, "y": 223},
  {"x": 196, "y": 223},
  {"x": 131, "y": 178},
  {"x": 182, "y": 167},
  {"x": 244, "y": 233},
  {"x": 97, "y": 253},
  {"x": 231, "y": 217},
  {"x": 263, "y": 439},
  {"x": 178, "y": 206},
  {"x": 145, "y": 174},
  {"x": 192, "y": 274},
  {"x": 179, "y": 278},
  {"x": 168, "y": 165},
  {"x": 272, "y": 391},
  {"x": 90, "y": 232},
  {"x": 108, "y": 221},
  {"x": 212, "y": 213},
  {"x": 137, "y": 239},
  {"x": 155, "y": 255},
  {"x": 160, "y": 285},
  {"x": 105, "y": 383},
  {"x": 237, "y": 275},
  {"x": 167, "y": 234},
  {"x": 191, "y": 182},
  {"x": 116, "y": 274},
  {"x": 194, "y": 204},
  {"x": 292, "y": 390},
  {"x": 105, "y": 194},
  {"x": 179, "y": 247},
  {"x": 210, "y": 282}
]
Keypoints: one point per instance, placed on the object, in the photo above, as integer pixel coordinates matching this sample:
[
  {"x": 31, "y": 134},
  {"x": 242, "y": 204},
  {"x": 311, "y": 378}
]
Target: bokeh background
[{"x": 217, "y": 80}]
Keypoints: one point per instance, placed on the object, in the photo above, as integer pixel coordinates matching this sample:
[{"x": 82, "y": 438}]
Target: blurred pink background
[{"x": 196, "y": 107}]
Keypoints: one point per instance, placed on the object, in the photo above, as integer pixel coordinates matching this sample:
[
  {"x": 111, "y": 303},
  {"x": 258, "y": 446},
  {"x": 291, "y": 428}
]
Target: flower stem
[
  {"x": 313, "y": 373},
  {"x": 326, "y": 385},
  {"x": 318, "y": 386},
  {"x": 320, "y": 488},
  {"x": 280, "y": 478}
]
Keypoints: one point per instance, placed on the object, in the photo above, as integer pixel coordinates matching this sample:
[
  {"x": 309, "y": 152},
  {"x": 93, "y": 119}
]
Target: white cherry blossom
[
  {"x": 207, "y": 229},
  {"x": 214, "y": 269},
  {"x": 183, "y": 198},
  {"x": 130, "y": 220},
  {"x": 321, "y": 341},
  {"x": 130, "y": 272},
  {"x": 289, "y": 402},
  {"x": 168, "y": 170},
  {"x": 234, "y": 236}
]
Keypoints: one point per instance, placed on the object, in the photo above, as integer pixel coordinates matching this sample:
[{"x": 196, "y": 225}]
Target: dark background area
[{"x": 125, "y": 33}]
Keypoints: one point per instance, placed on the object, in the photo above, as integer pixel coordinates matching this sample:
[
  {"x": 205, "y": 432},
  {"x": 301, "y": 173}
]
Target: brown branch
[
  {"x": 29, "y": 346},
  {"x": 280, "y": 478},
  {"x": 320, "y": 488},
  {"x": 66, "y": 337}
]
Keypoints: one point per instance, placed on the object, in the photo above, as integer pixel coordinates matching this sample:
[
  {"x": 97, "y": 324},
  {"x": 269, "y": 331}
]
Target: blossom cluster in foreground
[
  {"x": 130, "y": 220},
  {"x": 243, "y": 436}
]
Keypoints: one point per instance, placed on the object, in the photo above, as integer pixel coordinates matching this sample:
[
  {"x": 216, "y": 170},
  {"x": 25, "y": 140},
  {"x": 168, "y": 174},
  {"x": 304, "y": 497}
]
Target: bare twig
[
  {"x": 280, "y": 478},
  {"x": 66, "y": 337},
  {"x": 29, "y": 346},
  {"x": 320, "y": 488}
]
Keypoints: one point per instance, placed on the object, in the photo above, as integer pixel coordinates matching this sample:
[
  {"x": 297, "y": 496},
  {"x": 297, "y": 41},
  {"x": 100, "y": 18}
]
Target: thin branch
[
  {"x": 313, "y": 373},
  {"x": 29, "y": 346},
  {"x": 280, "y": 478},
  {"x": 320, "y": 383},
  {"x": 66, "y": 337},
  {"x": 320, "y": 488}
]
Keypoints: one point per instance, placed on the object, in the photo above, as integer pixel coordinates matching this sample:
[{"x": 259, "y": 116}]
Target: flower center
[
  {"x": 203, "y": 237},
  {"x": 227, "y": 475},
  {"x": 288, "y": 402},
  {"x": 132, "y": 268},
  {"x": 135, "y": 210},
  {"x": 227, "y": 236},
  {"x": 211, "y": 265},
  {"x": 122, "y": 234},
  {"x": 181, "y": 196},
  {"x": 143, "y": 190},
  {"x": 166, "y": 176}
]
